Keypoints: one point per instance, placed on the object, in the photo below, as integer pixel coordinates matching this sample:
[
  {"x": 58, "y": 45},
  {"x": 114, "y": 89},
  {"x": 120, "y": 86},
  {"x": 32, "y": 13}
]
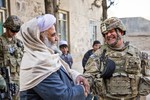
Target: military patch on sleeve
[{"x": 103, "y": 27}]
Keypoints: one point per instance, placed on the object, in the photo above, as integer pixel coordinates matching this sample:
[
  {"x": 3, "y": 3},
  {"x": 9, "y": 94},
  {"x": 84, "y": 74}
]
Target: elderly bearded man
[{"x": 44, "y": 75}]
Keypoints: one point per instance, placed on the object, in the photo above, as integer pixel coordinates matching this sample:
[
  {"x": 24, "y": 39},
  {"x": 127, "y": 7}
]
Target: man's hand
[
  {"x": 3, "y": 85},
  {"x": 80, "y": 80}
]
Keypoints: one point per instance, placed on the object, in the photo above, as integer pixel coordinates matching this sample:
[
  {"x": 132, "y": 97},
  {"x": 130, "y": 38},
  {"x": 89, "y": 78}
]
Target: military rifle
[
  {"x": 11, "y": 88},
  {"x": 5, "y": 72}
]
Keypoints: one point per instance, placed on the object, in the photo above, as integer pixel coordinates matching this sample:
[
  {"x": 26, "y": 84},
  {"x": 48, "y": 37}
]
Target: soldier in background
[
  {"x": 118, "y": 71},
  {"x": 11, "y": 52}
]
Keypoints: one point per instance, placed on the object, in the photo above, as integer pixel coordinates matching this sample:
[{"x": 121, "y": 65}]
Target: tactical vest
[
  {"x": 125, "y": 80},
  {"x": 10, "y": 55}
]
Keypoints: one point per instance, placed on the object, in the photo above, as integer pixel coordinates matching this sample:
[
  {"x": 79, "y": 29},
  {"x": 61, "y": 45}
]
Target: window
[
  {"x": 2, "y": 19},
  {"x": 63, "y": 25},
  {"x": 2, "y": 3},
  {"x": 2, "y": 14},
  {"x": 93, "y": 31}
]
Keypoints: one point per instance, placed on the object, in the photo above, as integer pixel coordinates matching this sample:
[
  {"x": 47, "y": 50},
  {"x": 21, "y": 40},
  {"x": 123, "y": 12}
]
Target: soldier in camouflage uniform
[
  {"x": 11, "y": 49},
  {"x": 118, "y": 71}
]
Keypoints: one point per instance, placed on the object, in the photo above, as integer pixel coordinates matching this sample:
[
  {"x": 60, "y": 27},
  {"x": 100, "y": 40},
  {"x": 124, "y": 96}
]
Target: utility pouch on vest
[
  {"x": 122, "y": 84},
  {"x": 108, "y": 64},
  {"x": 144, "y": 86},
  {"x": 132, "y": 65},
  {"x": 98, "y": 87},
  {"x": 109, "y": 68},
  {"x": 119, "y": 85},
  {"x": 13, "y": 65}
]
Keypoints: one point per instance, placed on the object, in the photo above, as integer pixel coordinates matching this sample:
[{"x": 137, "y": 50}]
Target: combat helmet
[
  {"x": 112, "y": 23},
  {"x": 13, "y": 23}
]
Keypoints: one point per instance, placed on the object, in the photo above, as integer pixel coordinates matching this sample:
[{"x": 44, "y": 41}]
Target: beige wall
[
  {"x": 80, "y": 12},
  {"x": 141, "y": 42},
  {"x": 27, "y": 9}
]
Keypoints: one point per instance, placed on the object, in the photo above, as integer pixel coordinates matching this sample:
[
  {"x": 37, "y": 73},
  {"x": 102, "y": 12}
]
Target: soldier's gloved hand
[{"x": 3, "y": 85}]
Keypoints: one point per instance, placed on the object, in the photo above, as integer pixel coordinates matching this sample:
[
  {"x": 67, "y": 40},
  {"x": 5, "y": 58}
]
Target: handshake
[{"x": 80, "y": 80}]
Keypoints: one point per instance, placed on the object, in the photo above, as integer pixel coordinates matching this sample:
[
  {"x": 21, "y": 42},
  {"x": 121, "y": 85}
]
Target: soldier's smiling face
[{"x": 111, "y": 37}]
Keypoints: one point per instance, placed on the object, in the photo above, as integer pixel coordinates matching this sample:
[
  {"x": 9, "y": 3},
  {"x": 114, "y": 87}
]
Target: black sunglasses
[
  {"x": 14, "y": 31},
  {"x": 17, "y": 28}
]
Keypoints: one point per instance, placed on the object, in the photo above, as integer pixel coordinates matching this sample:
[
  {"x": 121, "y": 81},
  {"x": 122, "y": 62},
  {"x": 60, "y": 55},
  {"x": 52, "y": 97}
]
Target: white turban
[{"x": 46, "y": 21}]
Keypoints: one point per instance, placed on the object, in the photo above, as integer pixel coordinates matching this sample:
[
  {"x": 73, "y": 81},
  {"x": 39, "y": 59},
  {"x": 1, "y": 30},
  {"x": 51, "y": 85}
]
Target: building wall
[
  {"x": 27, "y": 9},
  {"x": 141, "y": 42},
  {"x": 80, "y": 13}
]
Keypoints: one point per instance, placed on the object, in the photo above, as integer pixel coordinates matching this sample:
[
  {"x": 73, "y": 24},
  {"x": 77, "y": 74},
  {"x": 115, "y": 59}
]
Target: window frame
[
  {"x": 93, "y": 29},
  {"x": 59, "y": 28},
  {"x": 3, "y": 13}
]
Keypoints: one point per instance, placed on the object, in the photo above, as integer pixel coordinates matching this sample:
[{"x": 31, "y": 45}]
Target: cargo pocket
[
  {"x": 144, "y": 86},
  {"x": 98, "y": 87},
  {"x": 13, "y": 64},
  {"x": 132, "y": 65},
  {"x": 119, "y": 85}
]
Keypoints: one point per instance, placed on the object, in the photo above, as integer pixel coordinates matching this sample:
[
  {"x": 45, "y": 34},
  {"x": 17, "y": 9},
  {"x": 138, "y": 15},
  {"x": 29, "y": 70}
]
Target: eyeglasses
[{"x": 17, "y": 28}]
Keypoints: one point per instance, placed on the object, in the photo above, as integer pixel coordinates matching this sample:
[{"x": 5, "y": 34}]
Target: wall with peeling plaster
[
  {"x": 27, "y": 9},
  {"x": 80, "y": 13}
]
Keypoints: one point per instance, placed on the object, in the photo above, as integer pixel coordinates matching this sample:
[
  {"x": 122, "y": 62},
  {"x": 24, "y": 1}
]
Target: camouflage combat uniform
[
  {"x": 129, "y": 79},
  {"x": 10, "y": 55},
  {"x": 11, "y": 51}
]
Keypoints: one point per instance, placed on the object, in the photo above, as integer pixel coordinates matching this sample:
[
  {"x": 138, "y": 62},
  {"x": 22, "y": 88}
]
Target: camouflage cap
[
  {"x": 112, "y": 23},
  {"x": 13, "y": 23}
]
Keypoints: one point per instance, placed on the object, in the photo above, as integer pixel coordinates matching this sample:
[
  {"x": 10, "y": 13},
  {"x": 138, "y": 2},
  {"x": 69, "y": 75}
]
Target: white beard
[{"x": 52, "y": 46}]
